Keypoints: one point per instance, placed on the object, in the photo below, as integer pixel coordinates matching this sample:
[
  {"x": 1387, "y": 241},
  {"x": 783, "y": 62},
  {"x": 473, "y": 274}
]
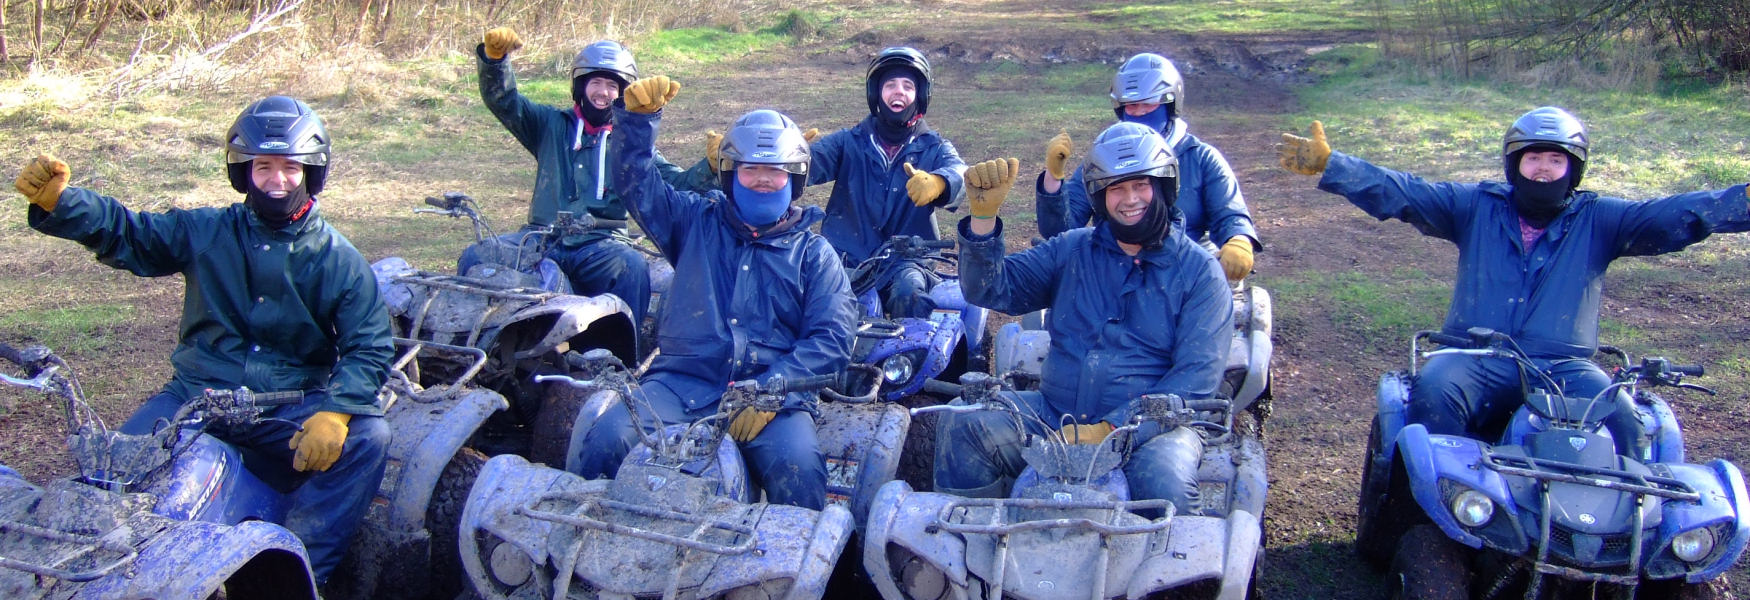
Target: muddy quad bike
[
  {"x": 1069, "y": 528},
  {"x": 173, "y": 513},
  {"x": 1022, "y": 345},
  {"x": 680, "y": 519},
  {"x": 1548, "y": 509},
  {"x": 517, "y": 307},
  {"x": 917, "y": 354}
]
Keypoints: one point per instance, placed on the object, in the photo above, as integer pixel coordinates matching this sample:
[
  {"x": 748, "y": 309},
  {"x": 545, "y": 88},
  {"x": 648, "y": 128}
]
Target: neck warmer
[
  {"x": 1155, "y": 119},
  {"x": 278, "y": 212},
  {"x": 1539, "y": 202},
  {"x": 1149, "y": 231},
  {"x": 756, "y": 208}
]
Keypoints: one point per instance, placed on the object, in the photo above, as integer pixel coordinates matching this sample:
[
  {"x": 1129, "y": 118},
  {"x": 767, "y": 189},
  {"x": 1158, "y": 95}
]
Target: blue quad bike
[
  {"x": 680, "y": 519},
  {"x": 917, "y": 355},
  {"x": 174, "y": 513},
  {"x": 1069, "y": 529},
  {"x": 1546, "y": 507},
  {"x": 518, "y": 308}
]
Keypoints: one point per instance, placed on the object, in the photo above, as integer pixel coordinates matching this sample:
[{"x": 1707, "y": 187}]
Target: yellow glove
[
  {"x": 1306, "y": 156},
  {"x": 650, "y": 94},
  {"x": 924, "y": 187},
  {"x": 320, "y": 442},
  {"x": 1236, "y": 257},
  {"x": 500, "y": 41},
  {"x": 812, "y": 134},
  {"x": 713, "y": 149},
  {"x": 987, "y": 185},
  {"x": 748, "y": 423},
  {"x": 1092, "y": 433},
  {"x": 1057, "y": 154},
  {"x": 42, "y": 181}
]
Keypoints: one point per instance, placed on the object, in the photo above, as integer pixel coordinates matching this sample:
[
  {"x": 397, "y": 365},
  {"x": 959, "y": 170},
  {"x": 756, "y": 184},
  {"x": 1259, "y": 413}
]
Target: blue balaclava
[
  {"x": 1155, "y": 119},
  {"x": 759, "y": 209}
]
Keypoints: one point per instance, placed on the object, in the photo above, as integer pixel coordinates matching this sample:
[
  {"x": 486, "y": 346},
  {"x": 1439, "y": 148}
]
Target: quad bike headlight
[
  {"x": 509, "y": 565},
  {"x": 1693, "y": 545},
  {"x": 897, "y": 368},
  {"x": 1472, "y": 508}
]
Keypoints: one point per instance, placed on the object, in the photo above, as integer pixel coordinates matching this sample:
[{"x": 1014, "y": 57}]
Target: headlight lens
[
  {"x": 1693, "y": 545},
  {"x": 1472, "y": 508},
  {"x": 509, "y": 565},
  {"x": 897, "y": 368}
]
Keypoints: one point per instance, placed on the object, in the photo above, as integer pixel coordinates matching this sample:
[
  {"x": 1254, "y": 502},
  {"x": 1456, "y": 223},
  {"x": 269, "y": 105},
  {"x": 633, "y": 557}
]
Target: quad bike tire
[
  {"x": 550, "y": 437},
  {"x": 1429, "y": 566},
  {"x": 444, "y": 520},
  {"x": 1377, "y": 522},
  {"x": 1718, "y": 588},
  {"x": 917, "y": 460}
]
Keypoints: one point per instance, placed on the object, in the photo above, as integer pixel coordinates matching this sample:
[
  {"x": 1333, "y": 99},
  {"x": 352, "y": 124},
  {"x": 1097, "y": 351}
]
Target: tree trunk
[{"x": 109, "y": 9}]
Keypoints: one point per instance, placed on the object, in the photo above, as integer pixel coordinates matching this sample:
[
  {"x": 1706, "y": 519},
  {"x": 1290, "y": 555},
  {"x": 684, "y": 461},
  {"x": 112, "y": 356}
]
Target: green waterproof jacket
[
  {"x": 568, "y": 163},
  {"x": 272, "y": 310}
]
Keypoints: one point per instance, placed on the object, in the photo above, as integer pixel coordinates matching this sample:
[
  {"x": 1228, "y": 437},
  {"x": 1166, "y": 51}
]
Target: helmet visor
[
  {"x": 795, "y": 168},
  {"x": 319, "y": 159}
]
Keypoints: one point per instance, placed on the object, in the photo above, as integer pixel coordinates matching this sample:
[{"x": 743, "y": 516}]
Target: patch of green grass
[
  {"x": 1386, "y": 312},
  {"x": 1243, "y": 16},
  {"x": 1684, "y": 137},
  {"x": 1085, "y": 78},
  {"x": 706, "y": 45},
  {"x": 74, "y": 330}
]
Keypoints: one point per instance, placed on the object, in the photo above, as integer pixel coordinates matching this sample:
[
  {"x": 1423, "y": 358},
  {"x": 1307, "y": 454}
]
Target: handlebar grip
[
  {"x": 1208, "y": 405},
  {"x": 937, "y": 244},
  {"x": 805, "y": 384},
  {"x": 613, "y": 223},
  {"x": 437, "y": 202},
  {"x": 1451, "y": 341},
  {"x": 1691, "y": 370}
]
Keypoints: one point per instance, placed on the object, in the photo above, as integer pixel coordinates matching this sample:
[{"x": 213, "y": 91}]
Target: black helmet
[
  {"x": 1546, "y": 128},
  {"x": 278, "y": 126},
  {"x": 1127, "y": 150},
  {"x": 893, "y": 58},
  {"x": 1147, "y": 77},
  {"x": 606, "y": 56},
  {"x": 766, "y": 137}
]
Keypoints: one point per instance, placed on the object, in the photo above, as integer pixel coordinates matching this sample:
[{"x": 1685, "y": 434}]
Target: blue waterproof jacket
[
  {"x": 868, "y": 203},
  {"x": 1121, "y": 326},
  {"x": 1209, "y": 195},
  {"x": 742, "y": 306},
  {"x": 565, "y": 179},
  {"x": 274, "y": 310},
  {"x": 1546, "y": 297}
]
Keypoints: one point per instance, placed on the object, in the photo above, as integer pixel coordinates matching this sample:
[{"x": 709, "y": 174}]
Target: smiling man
[
  {"x": 1532, "y": 253},
  {"x": 275, "y": 300},
  {"x": 1137, "y": 308},
  {"x": 571, "y": 150}
]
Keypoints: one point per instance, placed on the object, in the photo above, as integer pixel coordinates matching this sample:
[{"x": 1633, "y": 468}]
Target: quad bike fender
[
  {"x": 949, "y": 295},
  {"x": 426, "y": 436},
  {"x": 1666, "y": 434},
  {"x": 1394, "y": 404},
  {"x": 1020, "y": 349},
  {"x": 397, "y": 296},
  {"x": 209, "y": 482},
  {"x": 1194, "y": 549},
  {"x": 193, "y": 559},
  {"x": 862, "y": 443},
  {"x": 1722, "y": 505},
  {"x": 1428, "y": 458},
  {"x": 573, "y": 315},
  {"x": 1255, "y": 334},
  {"x": 506, "y": 484},
  {"x": 906, "y": 519},
  {"x": 796, "y": 543},
  {"x": 1245, "y": 539}
]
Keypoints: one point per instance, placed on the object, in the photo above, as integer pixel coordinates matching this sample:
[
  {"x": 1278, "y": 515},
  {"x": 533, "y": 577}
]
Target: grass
[
  {"x": 74, "y": 330},
  {"x": 1242, "y": 16},
  {"x": 1386, "y": 309}
]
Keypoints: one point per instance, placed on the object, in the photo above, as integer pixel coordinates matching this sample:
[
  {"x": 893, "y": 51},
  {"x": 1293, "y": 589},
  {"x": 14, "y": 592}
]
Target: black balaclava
[
  {"x": 897, "y": 127},
  {"x": 1539, "y": 202},
  {"x": 278, "y": 212},
  {"x": 596, "y": 117},
  {"x": 1156, "y": 220}
]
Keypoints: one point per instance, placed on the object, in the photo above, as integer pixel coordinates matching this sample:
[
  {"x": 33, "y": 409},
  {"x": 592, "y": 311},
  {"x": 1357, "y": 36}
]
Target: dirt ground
[{"x": 1239, "y": 89}]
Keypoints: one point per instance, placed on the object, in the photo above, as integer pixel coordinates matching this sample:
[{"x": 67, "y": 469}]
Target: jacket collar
[
  {"x": 309, "y": 222},
  {"x": 1163, "y": 256},
  {"x": 783, "y": 233}
]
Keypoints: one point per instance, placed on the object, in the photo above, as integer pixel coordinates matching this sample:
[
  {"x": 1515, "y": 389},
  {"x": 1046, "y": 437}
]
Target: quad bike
[
  {"x": 680, "y": 519},
  {"x": 1546, "y": 507},
  {"x": 1069, "y": 528},
  {"x": 1022, "y": 345},
  {"x": 917, "y": 354},
  {"x": 517, "y": 307},
  {"x": 173, "y": 513}
]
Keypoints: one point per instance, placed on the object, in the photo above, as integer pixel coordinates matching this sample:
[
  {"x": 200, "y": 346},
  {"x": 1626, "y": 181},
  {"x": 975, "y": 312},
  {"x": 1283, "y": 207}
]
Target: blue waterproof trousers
[
  {"x": 1464, "y": 395},
  {"x": 606, "y": 266},
  {"x": 326, "y": 506},
  {"x": 978, "y": 455},
  {"x": 785, "y": 458}
]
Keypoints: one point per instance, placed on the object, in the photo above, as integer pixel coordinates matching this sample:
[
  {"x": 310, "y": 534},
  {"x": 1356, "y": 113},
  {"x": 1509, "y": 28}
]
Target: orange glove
[
  {"x": 499, "y": 42},
  {"x": 320, "y": 442},
  {"x": 1236, "y": 257},
  {"x": 42, "y": 181},
  {"x": 988, "y": 183},
  {"x": 1306, "y": 156},
  {"x": 749, "y": 422},
  {"x": 1092, "y": 433},
  {"x": 650, "y": 94},
  {"x": 1057, "y": 155},
  {"x": 812, "y": 134},
  {"x": 923, "y": 186}
]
